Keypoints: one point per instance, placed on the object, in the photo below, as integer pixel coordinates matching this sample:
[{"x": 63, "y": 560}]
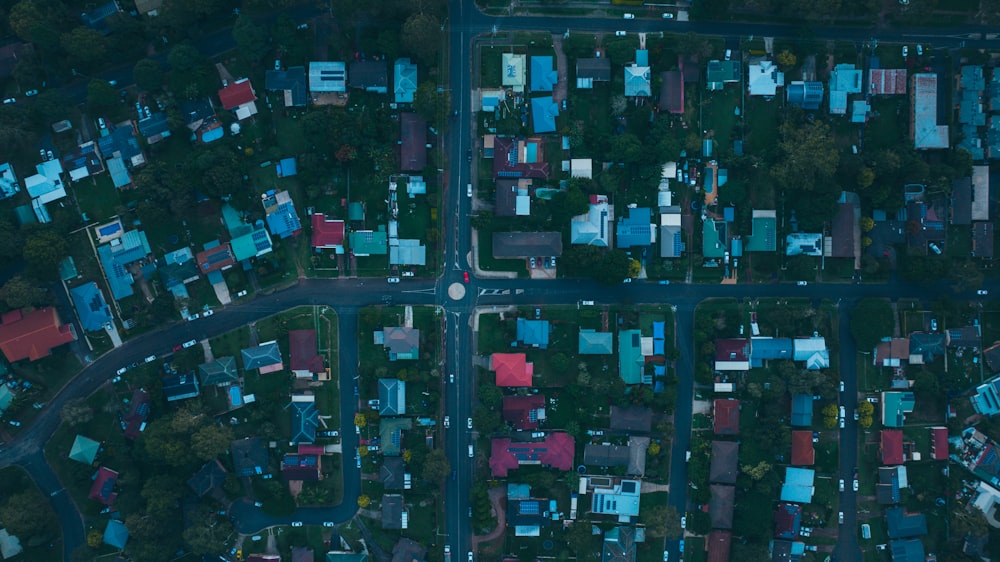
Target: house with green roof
[
  {"x": 592, "y": 342},
  {"x": 246, "y": 241},
  {"x": 221, "y": 372},
  {"x": 346, "y": 557},
  {"x": 713, "y": 236},
  {"x": 369, "y": 242},
  {"x": 722, "y": 72},
  {"x": 763, "y": 232},
  {"x": 6, "y": 397},
  {"x": 630, "y": 361},
  {"x": 895, "y": 406},
  {"x": 84, "y": 450}
]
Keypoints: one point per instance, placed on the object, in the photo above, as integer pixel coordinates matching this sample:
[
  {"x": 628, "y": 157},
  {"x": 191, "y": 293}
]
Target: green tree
[
  {"x": 436, "y": 467},
  {"x": 865, "y": 421},
  {"x": 211, "y": 441},
  {"x": 871, "y": 320},
  {"x": 27, "y": 514},
  {"x": 559, "y": 363},
  {"x": 19, "y": 293},
  {"x": 662, "y": 521},
  {"x": 787, "y": 60},
  {"x": 756, "y": 472},
  {"x": 965, "y": 275},
  {"x": 430, "y": 104},
  {"x": 148, "y": 75},
  {"x": 208, "y": 533},
  {"x": 43, "y": 249},
  {"x": 486, "y": 421},
  {"x": 865, "y": 408},
  {"x": 580, "y": 45},
  {"x": 251, "y": 39},
  {"x": 866, "y": 177},
  {"x": 190, "y": 71},
  {"x": 162, "y": 493},
  {"x": 422, "y": 36},
  {"x": 76, "y": 411},
  {"x": 613, "y": 269},
  {"x": 388, "y": 43},
  {"x": 580, "y": 539},
  {"x": 809, "y": 157},
  {"x": 101, "y": 97},
  {"x": 86, "y": 48},
  {"x": 28, "y": 17}
]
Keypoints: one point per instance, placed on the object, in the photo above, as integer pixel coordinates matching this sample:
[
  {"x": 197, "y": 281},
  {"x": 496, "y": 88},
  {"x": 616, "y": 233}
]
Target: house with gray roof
[
  {"x": 592, "y": 70},
  {"x": 266, "y": 357},
  {"x": 592, "y": 342},
  {"x": 391, "y": 397},
  {"x": 402, "y": 343},
  {"x": 394, "y": 514},
  {"x": 221, "y": 372}
]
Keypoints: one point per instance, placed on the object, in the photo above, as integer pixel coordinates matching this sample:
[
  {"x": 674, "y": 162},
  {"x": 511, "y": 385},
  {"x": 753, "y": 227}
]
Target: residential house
[
  {"x": 807, "y": 95},
  {"x": 592, "y": 227},
  {"x": 84, "y": 449},
  {"x": 527, "y": 516},
  {"x": 148, "y": 7},
  {"x": 214, "y": 259},
  {"x": 8, "y": 181},
  {"x": 672, "y": 92},
  {"x": 526, "y": 244},
  {"x": 177, "y": 269},
  {"x": 266, "y": 357},
  {"x": 980, "y": 193},
  {"x": 402, "y": 343},
  {"x": 199, "y": 117},
  {"x": 544, "y": 111},
  {"x": 964, "y": 337},
  {"x": 180, "y": 386},
  {"x": 405, "y": 550},
  {"x": 83, "y": 162},
  {"x": 802, "y": 410},
  {"x": 812, "y": 351},
  {"x": 523, "y": 412},
  {"x": 902, "y": 525},
  {"x": 764, "y": 79},
  {"x": 279, "y": 211},
  {"x": 97, "y": 17},
  {"x": 519, "y": 158},
  {"x": 327, "y": 76},
  {"x": 787, "y": 521},
  {"x": 724, "y": 467},
  {"x": 246, "y": 241},
  {"x": 220, "y": 372},
  {"x": 891, "y": 479},
  {"x": 391, "y": 434},
  {"x": 512, "y": 197},
  {"x": 556, "y": 450},
  {"x": 115, "y": 534},
  {"x": 621, "y": 500},
  {"x": 301, "y": 467},
  {"x": 895, "y": 406},
  {"x": 925, "y": 348},
  {"x": 804, "y": 244},
  {"x": 886, "y": 81},
  {"x": 406, "y": 251},
  {"x": 138, "y": 412},
  {"x": 404, "y": 80},
  {"x": 907, "y": 550},
  {"x": 720, "y": 506},
  {"x": 413, "y": 143},
  {"x": 208, "y": 478},
  {"x": 592, "y": 70},
  {"x": 369, "y": 242},
  {"x": 845, "y": 232},
  {"x": 327, "y": 233},
  {"x": 512, "y": 71},
  {"x": 939, "y": 443},
  {"x": 845, "y": 80},
  {"x": 720, "y": 73},
  {"x": 637, "y": 76},
  {"x": 986, "y": 400},
  {"x": 631, "y": 419},
  {"x": 304, "y": 360},
  {"x": 631, "y": 363},
  {"x": 799, "y": 486},
  {"x": 249, "y": 457},
  {"x": 153, "y": 126},
  {"x": 671, "y": 239},
  {"x": 103, "y": 488},
  {"x": 370, "y": 76},
  {"x": 239, "y": 98},
  {"x": 891, "y": 352},
  {"x": 543, "y": 76},
  {"x": 393, "y": 473},
  {"x": 117, "y": 255},
  {"x": 305, "y": 418},
  {"x": 925, "y": 131},
  {"x": 45, "y": 187},
  {"x": 394, "y": 515},
  {"x": 533, "y": 333},
  {"x": 33, "y": 335},
  {"x": 605, "y": 455},
  {"x": 770, "y": 349},
  {"x": 120, "y": 142},
  {"x": 119, "y": 173},
  {"x": 636, "y": 229},
  {"x": 391, "y": 397},
  {"x": 803, "y": 453},
  {"x": 891, "y": 446},
  {"x": 714, "y": 239},
  {"x": 727, "y": 416},
  {"x": 302, "y": 554},
  {"x": 291, "y": 82},
  {"x": 512, "y": 369},
  {"x": 592, "y": 342},
  {"x": 732, "y": 354},
  {"x": 718, "y": 545},
  {"x": 991, "y": 356},
  {"x": 619, "y": 544},
  {"x": 91, "y": 308}
]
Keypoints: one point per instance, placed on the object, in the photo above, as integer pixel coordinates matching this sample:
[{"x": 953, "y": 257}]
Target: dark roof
[
  {"x": 507, "y": 163},
  {"x": 305, "y": 420},
  {"x": 961, "y": 201},
  {"x": 887, "y": 488},
  {"x": 413, "y": 150},
  {"x": 526, "y": 244},
  {"x": 392, "y": 511},
  {"x": 138, "y": 411},
  {"x": 992, "y": 357},
  {"x": 195, "y": 111},
  {"x": 718, "y": 545},
  {"x": 910, "y": 550},
  {"x": 904, "y": 525},
  {"x": 605, "y": 455},
  {"x": 725, "y": 462},
  {"x": 302, "y": 352},
  {"x": 300, "y": 467},
  {"x": 631, "y": 419},
  {"x": 928, "y": 346},
  {"x": 263, "y": 355},
  {"x": 506, "y": 197},
  {"x": 720, "y": 506},
  {"x": 302, "y": 554},
  {"x": 982, "y": 240},
  {"x": 249, "y": 457},
  {"x": 803, "y": 453},
  {"x": 672, "y": 91},
  {"x": 891, "y": 442},
  {"x": 121, "y": 142},
  {"x": 210, "y": 476},
  {"x": 369, "y": 75},
  {"x": 292, "y": 80},
  {"x": 727, "y": 417},
  {"x": 598, "y": 69},
  {"x": 781, "y": 551},
  {"x": 843, "y": 230},
  {"x": 155, "y": 124},
  {"x": 391, "y": 473},
  {"x": 787, "y": 520},
  {"x": 220, "y": 372},
  {"x": 522, "y": 411},
  {"x": 802, "y": 410},
  {"x": 527, "y": 512},
  {"x": 10, "y": 55},
  {"x": 180, "y": 387},
  {"x": 407, "y": 550}
]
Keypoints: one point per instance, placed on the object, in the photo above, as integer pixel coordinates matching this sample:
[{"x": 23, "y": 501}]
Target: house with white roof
[
  {"x": 764, "y": 79},
  {"x": 45, "y": 187},
  {"x": 592, "y": 227},
  {"x": 8, "y": 181}
]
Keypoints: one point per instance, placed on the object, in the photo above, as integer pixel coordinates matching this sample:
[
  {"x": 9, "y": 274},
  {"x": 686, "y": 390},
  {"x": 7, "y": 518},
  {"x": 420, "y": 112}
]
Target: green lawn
[
  {"x": 490, "y": 66},
  {"x": 98, "y": 197},
  {"x": 718, "y": 115},
  {"x": 761, "y": 126}
]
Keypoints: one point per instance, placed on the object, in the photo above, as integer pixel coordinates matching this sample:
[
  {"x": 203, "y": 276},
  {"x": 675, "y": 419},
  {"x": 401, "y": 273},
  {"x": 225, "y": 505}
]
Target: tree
[
  {"x": 809, "y": 157},
  {"x": 94, "y": 538},
  {"x": 580, "y": 539},
  {"x": 162, "y": 492},
  {"x": 436, "y": 466},
  {"x": 359, "y": 420},
  {"x": 965, "y": 275},
  {"x": 867, "y": 224},
  {"x": 388, "y": 44},
  {"x": 865, "y": 408},
  {"x": 580, "y": 45},
  {"x": 618, "y": 105},
  {"x": 559, "y": 362},
  {"x": 866, "y": 177},
  {"x": 208, "y": 534},
  {"x": 756, "y": 472},
  {"x": 430, "y": 104},
  {"x": 148, "y": 75},
  {"x": 28, "y": 17},
  {"x": 251, "y": 39},
  {"x": 634, "y": 268},
  {"x": 27, "y": 514},
  {"x": 76, "y": 411},
  {"x": 190, "y": 71},
  {"x": 871, "y": 319},
  {"x": 486, "y": 421},
  {"x": 211, "y": 441},
  {"x": 787, "y": 60},
  {"x": 101, "y": 96},
  {"x": 422, "y": 36},
  {"x": 86, "y": 48},
  {"x": 626, "y": 148},
  {"x": 364, "y": 501},
  {"x": 44, "y": 248},
  {"x": 613, "y": 268},
  {"x": 19, "y": 293},
  {"x": 662, "y": 521},
  {"x": 865, "y": 421}
]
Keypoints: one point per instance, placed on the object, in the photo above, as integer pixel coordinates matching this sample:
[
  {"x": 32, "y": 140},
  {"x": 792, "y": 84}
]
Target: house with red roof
[
  {"x": 138, "y": 411},
  {"x": 327, "y": 233},
  {"x": 305, "y": 360},
  {"x": 524, "y": 412},
  {"x": 939, "y": 443},
  {"x": 239, "y": 97},
  {"x": 891, "y": 445},
  {"x": 299, "y": 466},
  {"x": 215, "y": 257},
  {"x": 803, "y": 453},
  {"x": 718, "y": 545},
  {"x": 556, "y": 451},
  {"x": 33, "y": 335},
  {"x": 103, "y": 488},
  {"x": 787, "y": 521},
  {"x": 727, "y": 417},
  {"x": 512, "y": 369},
  {"x": 732, "y": 354}
]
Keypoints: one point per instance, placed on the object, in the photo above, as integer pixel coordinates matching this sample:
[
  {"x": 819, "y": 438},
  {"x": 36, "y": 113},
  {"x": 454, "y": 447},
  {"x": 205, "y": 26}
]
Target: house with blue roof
[
  {"x": 176, "y": 270},
  {"x": 266, "y": 357},
  {"x": 630, "y": 359},
  {"x": 593, "y": 227},
  {"x": 279, "y": 209},
  {"x": 845, "y": 79},
  {"x": 90, "y": 306},
  {"x": 97, "y": 17},
  {"x": 404, "y": 80},
  {"x": 115, "y": 534},
  {"x": 807, "y": 95},
  {"x": 117, "y": 255},
  {"x": 305, "y": 418},
  {"x": 120, "y": 142},
  {"x": 533, "y": 333},
  {"x": 799, "y": 485},
  {"x": 802, "y": 410},
  {"x": 636, "y": 228},
  {"x": 986, "y": 400},
  {"x": 391, "y": 397},
  {"x": 544, "y": 111},
  {"x": 8, "y": 181},
  {"x": 812, "y": 351},
  {"x": 637, "y": 76},
  {"x": 291, "y": 82},
  {"x": 770, "y": 349},
  {"x": 153, "y": 126},
  {"x": 903, "y": 525},
  {"x": 543, "y": 76},
  {"x": 45, "y": 187},
  {"x": 119, "y": 173},
  {"x": 592, "y": 342}
]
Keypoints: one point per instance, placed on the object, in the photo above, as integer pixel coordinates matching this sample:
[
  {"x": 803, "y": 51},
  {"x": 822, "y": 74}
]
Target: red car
[{"x": 465, "y": 275}]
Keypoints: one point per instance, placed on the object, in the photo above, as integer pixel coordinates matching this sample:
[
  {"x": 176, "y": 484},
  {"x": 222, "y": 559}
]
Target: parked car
[
  {"x": 982, "y": 292},
  {"x": 150, "y": 359},
  {"x": 855, "y": 486},
  {"x": 447, "y": 422},
  {"x": 194, "y": 316},
  {"x": 920, "y": 50},
  {"x": 296, "y": 523},
  {"x": 468, "y": 423},
  {"x": 207, "y": 313},
  {"x": 116, "y": 380},
  {"x": 258, "y": 504},
  {"x": 468, "y": 190},
  {"x": 840, "y": 517},
  {"x": 684, "y": 522},
  {"x": 9, "y": 100},
  {"x": 121, "y": 371},
  {"x": 451, "y": 378},
  {"x": 801, "y": 283},
  {"x": 841, "y": 487},
  {"x": 328, "y": 523},
  {"x": 465, "y": 276},
  {"x": 628, "y": 16},
  {"x": 619, "y": 34},
  {"x": 906, "y": 51},
  {"x": 668, "y": 16},
  {"x": 30, "y": 93},
  {"x": 15, "y": 423},
  {"x": 393, "y": 280},
  {"x": 328, "y": 433},
  {"x": 531, "y": 262},
  {"x": 841, "y": 386},
  {"x": 189, "y": 343}
]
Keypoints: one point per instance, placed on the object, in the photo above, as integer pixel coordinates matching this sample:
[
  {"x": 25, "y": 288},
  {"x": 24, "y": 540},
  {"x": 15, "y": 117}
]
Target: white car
[
  {"x": 121, "y": 371},
  {"x": 468, "y": 190},
  {"x": 328, "y": 523},
  {"x": 684, "y": 522},
  {"x": 190, "y": 343},
  {"x": 619, "y": 34},
  {"x": 840, "y": 518},
  {"x": 982, "y": 292},
  {"x": 207, "y": 313},
  {"x": 9, "y": 100},
  {"x": 906, "y": 51},
  {"x": 841, "y": 423},
  {"x": 841, "y": 386},
  {"x": 116, "y": 380},
  {"x": 920, "y": 50},
  {"x": 668, "y": 16},
  {"x": 841, "y": 484},
  {"x": 393, "y": 280},
  {"x": 296, "y": 523},
  {"x": 470, "y": 556},
  {"x": 468, "y": 423},
  {"x": 801, "y": 283},
  {"x": 629, "y": 16},
  {"x": 194, "y": 316},
  {"x": 451, "y": 378},
  {"x": 447, "y": 422},
  {"x": 855, "y": 486}
]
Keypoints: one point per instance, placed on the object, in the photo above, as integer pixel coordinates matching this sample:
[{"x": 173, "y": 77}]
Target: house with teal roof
[
  {"x": 543, "y": 76},
  {"x": 246, "y": 241},
  {"x": 592, "y": 342},
  {"x": 713, "y": 235},
  {"x": 763, "y": 232},
  {"x": 533, "y": 333},
  {"x": 84, "y": 450},
  {"x": 6, "y": 397},
  {"x": 369, "y": 242},
  {"x": 630, "y": 360},
  {"x": 115, "y": 534},
  {"x": 90, "y": 306},
  {"x": 636, "y": 229},
  {"x": 404, "y": 80},
  {"x": 176, "y": 270},
  {"x": 895, "y": 406}
]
